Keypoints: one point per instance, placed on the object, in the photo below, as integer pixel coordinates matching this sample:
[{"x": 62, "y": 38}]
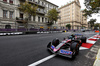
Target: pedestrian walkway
[{"x": 97, "y": 61}]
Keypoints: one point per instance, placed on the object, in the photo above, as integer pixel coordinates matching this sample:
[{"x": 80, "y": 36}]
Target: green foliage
[
  {"x": 82, "y": 27},
  {"x": 68, "y": 26},
  {"x": 93, "y": 6},
  {"x": 28, "y": 9},
  {"x": 49, "y": 23},
  {"x": 52, "y": 16},
  {"x": 91, "y": 22},
  {"x": 87, "y": 12},
  {"x": 96, "y": 26}
]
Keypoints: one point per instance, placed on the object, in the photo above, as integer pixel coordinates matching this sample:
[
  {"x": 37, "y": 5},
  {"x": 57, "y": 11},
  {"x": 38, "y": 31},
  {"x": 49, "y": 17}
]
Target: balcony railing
[
  {"x": 40, "y": 12},
  {"x": 21, "y": 20},
  {"x": 22, "y": 0},
  {"x": 36, "y": 3}
]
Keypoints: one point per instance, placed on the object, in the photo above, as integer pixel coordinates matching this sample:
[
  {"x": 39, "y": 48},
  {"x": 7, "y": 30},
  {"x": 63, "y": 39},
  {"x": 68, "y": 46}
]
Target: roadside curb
[{"x": 97, "y": 61}]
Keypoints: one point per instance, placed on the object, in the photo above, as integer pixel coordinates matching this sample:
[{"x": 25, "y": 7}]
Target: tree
[
  {"x": 93, "y": 6},
  {"x": 28, "y": 10},
  {"x": 96, "y": 26},
  {"x": 91, "y": 22},
  {"x": 68, "y": 26},
  {"x": 52, "y": 16}
]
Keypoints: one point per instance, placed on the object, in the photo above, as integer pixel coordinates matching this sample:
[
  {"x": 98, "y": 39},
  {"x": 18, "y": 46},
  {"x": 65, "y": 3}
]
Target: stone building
[
  {"x": 71, "y": 14},
  {"x": 9, "y": 12}
]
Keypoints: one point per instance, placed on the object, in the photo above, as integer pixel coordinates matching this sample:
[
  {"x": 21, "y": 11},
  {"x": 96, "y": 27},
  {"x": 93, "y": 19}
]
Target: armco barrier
[
  {"x": 11, "y": 33},
  {"x": 44, "y": 32},
  {"x": 28, "y": 32}
]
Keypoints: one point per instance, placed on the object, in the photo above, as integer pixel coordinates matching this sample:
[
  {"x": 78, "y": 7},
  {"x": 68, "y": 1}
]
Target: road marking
[{"x": 42, "y": 60}]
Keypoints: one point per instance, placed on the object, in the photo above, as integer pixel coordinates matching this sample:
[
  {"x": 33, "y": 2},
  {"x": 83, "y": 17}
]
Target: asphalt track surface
[{"x": 24, "y": 50}]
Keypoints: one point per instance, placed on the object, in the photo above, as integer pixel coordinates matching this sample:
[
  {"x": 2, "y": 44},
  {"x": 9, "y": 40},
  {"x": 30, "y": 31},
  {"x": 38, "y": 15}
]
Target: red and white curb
[
  {"x": 97, "y": 61},
  {"x": 90, "y": 42}
]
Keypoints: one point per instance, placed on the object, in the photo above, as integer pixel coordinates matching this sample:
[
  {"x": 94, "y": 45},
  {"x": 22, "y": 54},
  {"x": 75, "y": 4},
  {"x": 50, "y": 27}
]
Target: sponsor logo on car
[
  {"x": 52, "y": 47},
  {"x": 66, "y": 52}
]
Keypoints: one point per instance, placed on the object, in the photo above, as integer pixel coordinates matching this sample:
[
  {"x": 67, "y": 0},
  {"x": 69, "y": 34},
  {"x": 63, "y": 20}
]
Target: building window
[
  {"x": 5, "y": 0},
  {"x": 21, "y": 15},
  {"x": 42, "y": 3},
  {"x": 33, "y": 18},
  {"x": 11, "y": 14},
  {"x": 11, "y": 1},
  {"x": 42, "y": 19},
  {"x": 45, "y": 19},
  {"x": 39, "y": 19},
  {"x": 33, "y": 0},
  {"x": 30, "y": 18},
  {"x": 48, "y": 5},
  {"x": 5, "y": 14},
  {"x": 30, "y": 0},
  {"x": 38, "y": 2}
]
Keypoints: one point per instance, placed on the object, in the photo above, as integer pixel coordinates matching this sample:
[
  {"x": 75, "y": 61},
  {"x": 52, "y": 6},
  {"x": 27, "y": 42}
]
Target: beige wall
[
  {"x": 70, "y": 14},
  {"x": 84, "y": 20}
]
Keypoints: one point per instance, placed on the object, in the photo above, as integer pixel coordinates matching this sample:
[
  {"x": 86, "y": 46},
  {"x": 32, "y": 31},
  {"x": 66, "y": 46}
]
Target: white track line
[
  {"x": 51, "y": 56},
  {"x": 42, "y": 60}
]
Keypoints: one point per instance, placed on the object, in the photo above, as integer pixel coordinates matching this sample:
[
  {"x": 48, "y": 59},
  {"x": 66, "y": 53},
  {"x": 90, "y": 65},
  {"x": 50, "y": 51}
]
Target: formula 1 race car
[{"x": 68, "y": 47}]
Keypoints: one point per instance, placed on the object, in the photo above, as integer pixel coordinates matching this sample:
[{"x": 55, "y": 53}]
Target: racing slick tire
[
  {"x": 55, "y": 42},
  {"x": 75, "y": 49},
  {"x": 83, "y": 39}
]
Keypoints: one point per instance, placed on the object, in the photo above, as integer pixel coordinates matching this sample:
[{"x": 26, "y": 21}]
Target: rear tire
[
  {"x": 55, "y": 42},
  {"x": 83, "y": 39}
]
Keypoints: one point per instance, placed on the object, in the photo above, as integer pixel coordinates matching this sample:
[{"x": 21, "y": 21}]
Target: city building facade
[
  {"x": 8, "y": 13},
  {"x": 12, "y": 18},
  {"x": 71, "y": 14},
  {"x": 84, "y": 22}
]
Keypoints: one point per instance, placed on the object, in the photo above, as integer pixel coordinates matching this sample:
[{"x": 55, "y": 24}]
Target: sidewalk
[{"x": 97, "y": 61}]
